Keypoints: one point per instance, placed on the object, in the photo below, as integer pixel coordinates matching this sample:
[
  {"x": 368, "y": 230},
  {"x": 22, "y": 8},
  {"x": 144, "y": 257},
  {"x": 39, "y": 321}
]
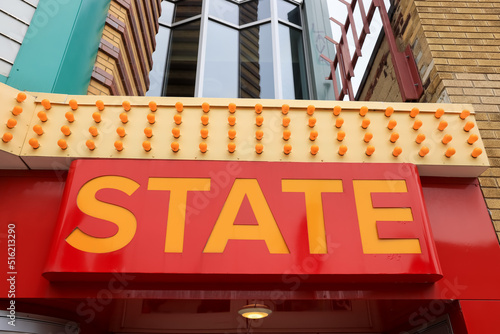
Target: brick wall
[
  {"x": 456, "y": 45},
  {"x": 124, "y": 58}
]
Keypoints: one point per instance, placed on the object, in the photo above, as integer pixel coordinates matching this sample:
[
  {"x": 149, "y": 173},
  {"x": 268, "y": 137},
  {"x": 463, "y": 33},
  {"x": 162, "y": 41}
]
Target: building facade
[{"x": 169, "y": 166}]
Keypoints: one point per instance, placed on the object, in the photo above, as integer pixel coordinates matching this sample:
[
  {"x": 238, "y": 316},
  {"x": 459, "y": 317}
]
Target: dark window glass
[
  {"x": 181, "y": 69},
  {"x": 256, "y": 63},
  {"x": 224, "y": 10},
  {"x": 221, "y": 61},
  {"x": 185, "y": 9},
  {"x": 289, "y": 12},
  {"x": 252, "y": 11},
  {"x": 293, "y": 71}
]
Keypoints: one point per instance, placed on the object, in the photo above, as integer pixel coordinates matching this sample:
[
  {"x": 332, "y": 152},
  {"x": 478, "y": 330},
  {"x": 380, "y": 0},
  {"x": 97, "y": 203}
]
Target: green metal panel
[
  {"x": 76, "y": 68},
  {"x": 59, "y": 49}
]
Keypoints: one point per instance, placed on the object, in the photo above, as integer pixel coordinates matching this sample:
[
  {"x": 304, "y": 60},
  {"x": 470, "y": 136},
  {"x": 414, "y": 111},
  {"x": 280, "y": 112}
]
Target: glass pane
[
  {"x": 256, "y": 10},
  {"x": 221, "y": 62},
  {"x": 256, "y": 62},
  {"x": 181, "y": 70},
  {"x": 293, "y": 73},
  {"x": 224, "y": 10},
  {"x": 18, "y": 9},
  {"x": 289, "y": 12},
  {"x": 157, "y": 74},
  {"x": 167, "y": 12},
  {"x": 185, "y": 9}
]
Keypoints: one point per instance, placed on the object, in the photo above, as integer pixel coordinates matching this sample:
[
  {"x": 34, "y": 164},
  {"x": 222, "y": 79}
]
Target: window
[{"x": 226, "y": 48}]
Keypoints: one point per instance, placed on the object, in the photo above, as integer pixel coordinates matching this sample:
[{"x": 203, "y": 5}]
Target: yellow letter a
[{"x": 266, "y": 230}]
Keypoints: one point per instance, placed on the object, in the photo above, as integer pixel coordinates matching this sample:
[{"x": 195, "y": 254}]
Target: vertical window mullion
[
  {"x": 200, "y": 68},
  {"x": 278, "y": 89}
]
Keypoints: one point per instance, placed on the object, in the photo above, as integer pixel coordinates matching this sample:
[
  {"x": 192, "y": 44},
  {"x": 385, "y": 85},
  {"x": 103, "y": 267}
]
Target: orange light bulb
[
  {"x": 65, "y": 130},
  {"x": 119, "y": 145},
  {"x": 338, "y": 122},
  {"x": 42, "y": 116},
  {"x": 175, "y": 146},
  {"x": 231, "y": 147},
  {"x": 392, "y": 124},
  {"x": 287, "y": 134},
  {"x": 7, "y": 137},
  {"x": 310, "y": 110},
  {"x": 369, "y": 150},
  {"x": 420, "y": 138},
  {"x": 442, "y": 125},
  {"x": 439, "y": 112},
  {"x": 148, "y": 132},
  {"x": 121, "y": 131},
  {"x": 176, "y": 132},
  {"x": 70, "y": 116},
  {"x": 258, "y": 108},
  {"x": 93, "y": 131},
  {"x": 397, "y": 151},
  {"x": 232, "y": 108},
  {"x": 178, "y": 119},
  {"x": 90, "y": 144},
  {"x": 313, "y": 135},
  {"x": 17, "y": 110},
  {"x": 73, "y": 104},
  {"x": 153, "y": 106},
  {"x": 342, "y": 150},
  {"x": 204, "y": 133},
  {"x": 464, "y": 114},
  {"x": 21, "y": 96},
  {"x": 472, "y": 139},
  {"x": 285, "y": 108},
  {"x": 97, "y": 117},
  {"x": 417, "y": 124},
  {"x": 314, "y": 149},
  {"x": 394, "y": 137},
  {"x": 151, "y": 118},
  {"x": 46, "y": 104},
  {"x": 363, "y": 111},
  {"x": 62, "y": 144},
  {"x": 414, "y": 112},
  {"x": 368, "y": 137},
  {"x": 34, "y": 143},
  {"x": 423, "y": 151},
  {"x": 38, "y": 130},
  {"x": 389, "y": 111},
  {"x": 468, "y": 126},
  {"x": 124, "y": 118},
  {"x": 337, "y": 110},
  {"x": 179, "y": 106},
  {"x": 100, "y": 105},
  {"x": 259, "y": 120},
  {"x": 365, "y": 123},
  {"x": 126, "y": 105},
  {"x": 449, "y": 152},
  {"x": 11, "y": 123},
  {"x": 286, "y": 121},
  {"x": 476, "y": 152},
  {"x": 203, "y": 147},
  {"x": 204, "y": 120},
  {"x": 287, "y": 149},
  {"x": 312, "y": 121},
  {"x": 205, "y": 107},
  {"x": 231, "y": 134},
  {"x": 340, "y": 135},
  {"x": 146, "y": 145},
  {"x": 259, "y": 134},
  {"x": 259, "y": 148},
  {"x": 446, "y": 139},
  {"x": 231, "y": 120}
]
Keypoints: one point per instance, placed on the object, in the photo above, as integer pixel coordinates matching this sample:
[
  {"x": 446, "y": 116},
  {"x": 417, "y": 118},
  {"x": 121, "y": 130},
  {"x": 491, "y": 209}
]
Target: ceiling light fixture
[{"x": 255, "y": 311}]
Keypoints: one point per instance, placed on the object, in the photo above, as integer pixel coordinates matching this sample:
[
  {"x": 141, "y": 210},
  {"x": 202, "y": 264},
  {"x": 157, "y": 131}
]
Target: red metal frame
[{"x": 409, "y": 82}]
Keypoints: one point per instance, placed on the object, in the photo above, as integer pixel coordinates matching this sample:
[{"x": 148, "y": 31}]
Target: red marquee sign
[{"x": 182, "y": 221}]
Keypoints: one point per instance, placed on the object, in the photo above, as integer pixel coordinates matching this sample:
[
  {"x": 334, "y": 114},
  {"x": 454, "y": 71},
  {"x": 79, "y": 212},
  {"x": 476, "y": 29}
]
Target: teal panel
[
  {"x": 3, "y": 79},
  {"x": 79, "y": 59},
  {"x": 44, "y": 46},
  {"x": 60, "y": 47}
]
